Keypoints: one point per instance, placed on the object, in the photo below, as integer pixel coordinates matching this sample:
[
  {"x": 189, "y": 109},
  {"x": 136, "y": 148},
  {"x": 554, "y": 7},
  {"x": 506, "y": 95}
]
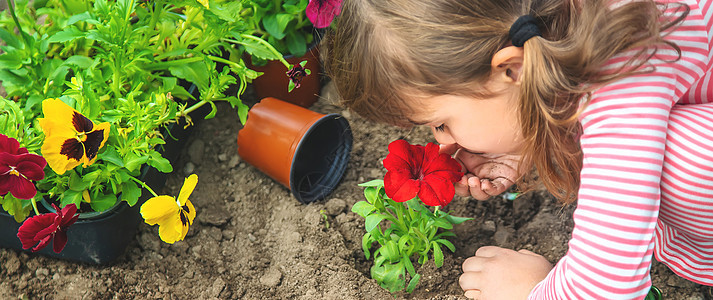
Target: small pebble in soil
[
  {"x": 271, "y": 278},
  {"x": 251, "y": 237},
  {"x": 189, "y": 168},
  {"x": 335, "y": 206},
  {"x": 502, "y": 235},
  {"x": 488, "y": 226},
  {"x": 214, "y": 216},
  {"x": 195, "y": 151},
  {"x": 42, "y": 272},
  {"x": 234, "y": 161}
]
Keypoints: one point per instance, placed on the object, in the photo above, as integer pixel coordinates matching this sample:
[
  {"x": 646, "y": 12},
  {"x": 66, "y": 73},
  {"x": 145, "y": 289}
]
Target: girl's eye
[{"x": 440, "y": 128}]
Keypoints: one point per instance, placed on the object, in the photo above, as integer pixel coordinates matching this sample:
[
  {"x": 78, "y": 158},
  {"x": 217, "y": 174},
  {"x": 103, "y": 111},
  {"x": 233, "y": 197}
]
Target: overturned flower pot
[{"x": 303, "y": 150}]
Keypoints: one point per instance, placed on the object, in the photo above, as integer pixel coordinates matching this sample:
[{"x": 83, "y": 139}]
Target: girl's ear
[{"x": 507, "y": 63}]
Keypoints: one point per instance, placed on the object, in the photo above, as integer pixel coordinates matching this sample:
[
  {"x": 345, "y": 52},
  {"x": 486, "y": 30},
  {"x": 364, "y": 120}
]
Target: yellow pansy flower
[
  {"x": 173, "y": 216},
  {"x": 70, "y": 138}
]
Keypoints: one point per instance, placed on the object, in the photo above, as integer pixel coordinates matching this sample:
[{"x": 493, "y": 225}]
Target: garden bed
[{"x": 253, "y": 240}]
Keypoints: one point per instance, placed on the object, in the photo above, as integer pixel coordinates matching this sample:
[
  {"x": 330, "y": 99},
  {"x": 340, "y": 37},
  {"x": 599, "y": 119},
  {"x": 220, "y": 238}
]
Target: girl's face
[{"x": 478, "y": 125}]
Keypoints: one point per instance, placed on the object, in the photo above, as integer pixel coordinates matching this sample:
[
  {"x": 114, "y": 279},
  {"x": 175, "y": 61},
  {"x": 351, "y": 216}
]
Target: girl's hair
[{"x": 386, "y": 52}]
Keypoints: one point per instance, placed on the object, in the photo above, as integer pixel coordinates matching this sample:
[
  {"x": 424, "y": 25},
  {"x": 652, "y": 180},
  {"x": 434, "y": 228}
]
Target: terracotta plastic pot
[
  {"x": 305, "y": 151},
  {"x": 274, "y": 82}
]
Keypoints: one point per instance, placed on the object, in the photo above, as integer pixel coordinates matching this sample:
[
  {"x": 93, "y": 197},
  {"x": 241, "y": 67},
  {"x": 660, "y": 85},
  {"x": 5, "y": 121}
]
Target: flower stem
[
  {"x": 34, "y": 206},
  {"x": 143, "y": 184}
]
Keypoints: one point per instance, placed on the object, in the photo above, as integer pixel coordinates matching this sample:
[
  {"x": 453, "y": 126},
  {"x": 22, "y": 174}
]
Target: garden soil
[{"x": 253, "y": 240}]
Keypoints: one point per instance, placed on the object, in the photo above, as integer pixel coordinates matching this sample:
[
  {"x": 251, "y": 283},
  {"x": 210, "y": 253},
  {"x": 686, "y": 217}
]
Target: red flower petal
[
  {"x": 27, "y": 232},
  {"x": 31, "y": 166},
  {"x": 69, "y": 216},
  {"x": 42, "y": 243},
  {"x": 436, "y": 191},
  {"x": 400, "y": 187},
  {"x": 10, "y": 145},
  {"x": 21, "y": 188},
  {"x": 60, "y": 240}
]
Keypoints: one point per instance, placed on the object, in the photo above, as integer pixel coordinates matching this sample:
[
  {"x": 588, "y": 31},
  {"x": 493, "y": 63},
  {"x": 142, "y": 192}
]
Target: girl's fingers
[
  {"x": 476, "y": 190},
  {"x": 462, "y": 187},
  {"x": 469, "y": 280}
]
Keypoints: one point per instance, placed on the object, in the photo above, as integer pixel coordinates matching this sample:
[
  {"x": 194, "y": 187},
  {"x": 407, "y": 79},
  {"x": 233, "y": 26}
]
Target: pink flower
[
  {"x": 322, "y": 12},
  {"x": 41, "y": 229},
  {"x": 18, "y": 168},
  {"x": 415, "y": 170}
]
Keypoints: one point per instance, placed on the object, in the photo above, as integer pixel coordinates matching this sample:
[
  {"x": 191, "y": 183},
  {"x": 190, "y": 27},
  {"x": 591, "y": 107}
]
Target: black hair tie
[{"x": 523, "y": 29}]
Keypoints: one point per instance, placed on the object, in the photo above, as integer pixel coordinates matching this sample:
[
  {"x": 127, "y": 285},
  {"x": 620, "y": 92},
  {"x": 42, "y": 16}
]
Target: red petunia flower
[
  {"x": 415, "y": 170},
  {"x": 322, "y": 12},
  {"x": 41, "y": 229},
  {"x": 18, "y": 168}
]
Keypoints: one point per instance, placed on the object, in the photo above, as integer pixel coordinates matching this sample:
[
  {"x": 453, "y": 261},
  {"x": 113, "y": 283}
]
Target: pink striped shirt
[{"x": 647, "y": 177}]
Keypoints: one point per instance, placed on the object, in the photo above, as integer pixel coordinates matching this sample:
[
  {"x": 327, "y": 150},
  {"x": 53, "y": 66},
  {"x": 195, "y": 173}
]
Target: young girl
[{"x": 607, "y": 100}]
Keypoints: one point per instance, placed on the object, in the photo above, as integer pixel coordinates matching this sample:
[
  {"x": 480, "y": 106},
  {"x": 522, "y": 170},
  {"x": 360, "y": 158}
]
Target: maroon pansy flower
[
  {"x": 322, "y": 12},
  {"x": 415, "y": 170},
  {"x": 18, "y": 168},
  {"x": 42, "y": 229},
  {"x": 10, "y": 145}
]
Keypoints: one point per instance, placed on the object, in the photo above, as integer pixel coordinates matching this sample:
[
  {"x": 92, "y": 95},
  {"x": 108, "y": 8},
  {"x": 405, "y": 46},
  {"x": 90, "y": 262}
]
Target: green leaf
[
  {"x": 80, "y": 61},
  {"x": 409, "y": 266},
  {"x": 363, "y": 208},
  {"x": 447, "y": 244},
  {"x": 196, "y": 72},
  {"x": 371, "y": 194},
  {"x": 372, "y": 221},
  {"x": 366, "y": 244},
  {"x": 296, "y": 44},
  {"x": 441, "y": 223},
  {"x": 160, "y": 163},
  {"x": 78, "y": 17},
  {"x": 10, "y": 39},
  {"x": 291, "y": 86},
  {"x": 71, "y": 196},
  {"x": 110, "y": 155},
  {"x": 19, "y": 209},
  {"x": 103, "y": 202},
  {"x": 256, "y": 48},
  {"x": 374, "y": 183},
  {"x": 77, "y": 183},
  {"x": 457, "y": 220},
  {"x": 275, "y": 24},
  {"x": 412, "y": 284},
  {"x": 391, "y": 251},
  {"x": 156, "y": 141},
  {"x": 243, "y": 112},
  {"x": 130, "y": 192},
  {"x": 10, "y": 60},
  {"x": 69, "y": 34},
  {"x": 437, "y": 254},
  {"x": 132, "y": 161},
  {"x": 213, "y": 111}
]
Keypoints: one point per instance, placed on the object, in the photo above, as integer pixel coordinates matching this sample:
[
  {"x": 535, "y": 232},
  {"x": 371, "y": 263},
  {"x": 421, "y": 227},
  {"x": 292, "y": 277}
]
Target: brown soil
[{"x": 253, "y": 240}]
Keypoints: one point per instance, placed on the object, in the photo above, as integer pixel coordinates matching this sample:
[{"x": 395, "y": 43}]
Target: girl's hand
[
  {"x": 499, "y": 273},
  {"x": 486, "y": 175}
]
